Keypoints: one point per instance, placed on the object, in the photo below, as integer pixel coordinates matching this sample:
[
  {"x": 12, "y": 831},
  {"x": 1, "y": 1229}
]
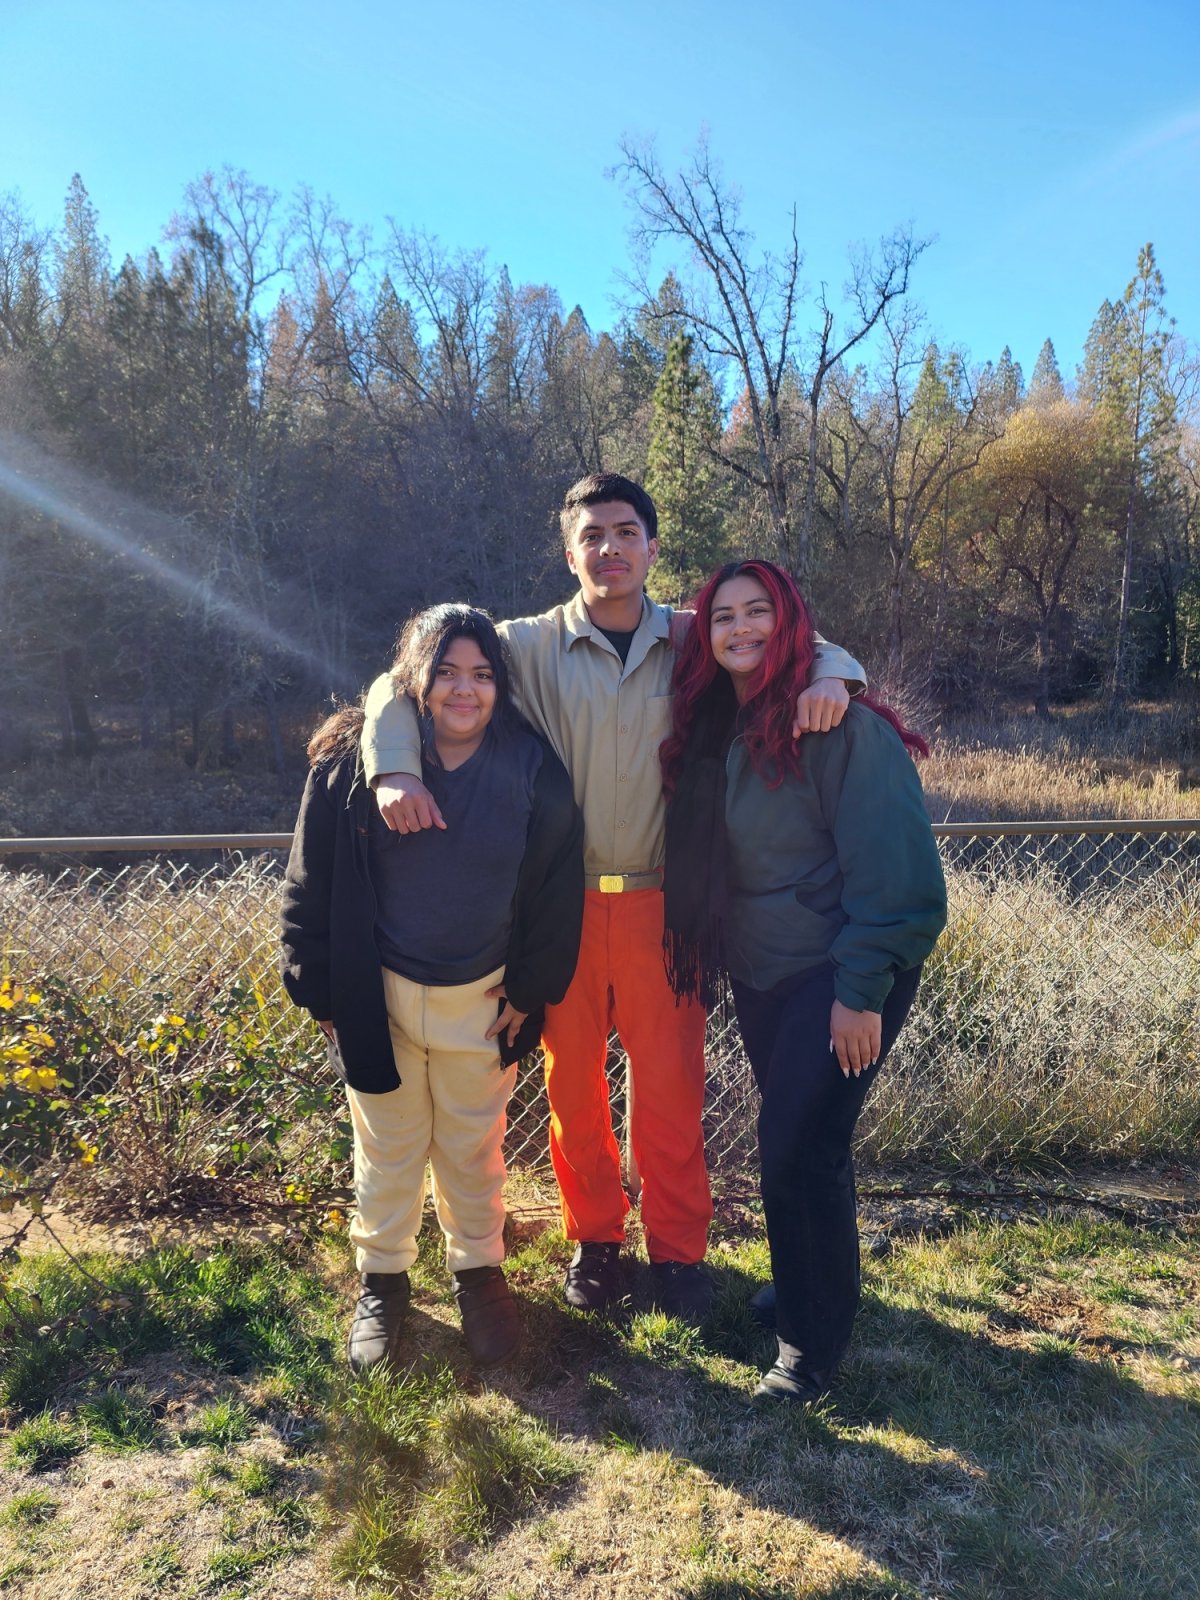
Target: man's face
[{"x": 609, "y": 553}]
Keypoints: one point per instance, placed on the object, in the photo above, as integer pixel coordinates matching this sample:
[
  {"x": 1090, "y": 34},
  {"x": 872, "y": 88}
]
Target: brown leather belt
[{"x": 623, "y": 882}]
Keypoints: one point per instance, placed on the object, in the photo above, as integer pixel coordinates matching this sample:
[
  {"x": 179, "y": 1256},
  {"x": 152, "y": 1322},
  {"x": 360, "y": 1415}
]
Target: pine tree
[
  {"x": 1008, "y": 382},
  {"x": 1046, "y": 385},
  {"x": 683, "y": 477},
  {"x": 1124, "y": 377}
]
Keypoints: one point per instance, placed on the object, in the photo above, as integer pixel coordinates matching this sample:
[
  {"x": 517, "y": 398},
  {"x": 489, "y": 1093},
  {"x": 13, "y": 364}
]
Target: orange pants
[{"x": 621, "y": 983}]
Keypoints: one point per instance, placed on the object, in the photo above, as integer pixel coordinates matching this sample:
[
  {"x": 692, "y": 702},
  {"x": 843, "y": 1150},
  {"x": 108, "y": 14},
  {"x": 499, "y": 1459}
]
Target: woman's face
[
  {"x": 743, "y": 619},
  {"x": 462, "y": 696}
]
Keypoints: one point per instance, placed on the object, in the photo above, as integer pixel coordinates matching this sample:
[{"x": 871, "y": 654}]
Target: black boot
[
  {"x": 593, "y": 1278},
  {"x": 491, "y": 1322},
  {"x": 791, "y": 1379},
  {"x": 378, "y": 1319}
]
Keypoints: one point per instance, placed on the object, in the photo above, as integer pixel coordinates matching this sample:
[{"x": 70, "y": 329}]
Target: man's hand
[
  {"x": 327, "y": 1029},
  {"x": 855, "y": 1037},
  {"x": 406, "y": 804},
  {"x": 820, "y": 707},
  {"x": 510, "y": 1019}
]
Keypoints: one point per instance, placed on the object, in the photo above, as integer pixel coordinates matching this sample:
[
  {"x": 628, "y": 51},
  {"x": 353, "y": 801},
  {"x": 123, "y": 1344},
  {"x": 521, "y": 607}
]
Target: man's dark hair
[{"x": 601, "y": 489}]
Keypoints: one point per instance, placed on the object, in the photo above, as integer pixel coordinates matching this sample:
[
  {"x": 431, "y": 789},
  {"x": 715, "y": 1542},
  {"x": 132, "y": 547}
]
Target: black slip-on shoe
[
  {"x": 491, "y": 1323},
  {"x": 593, "y": 1278},
  {"x": 378, "y": 1319}
]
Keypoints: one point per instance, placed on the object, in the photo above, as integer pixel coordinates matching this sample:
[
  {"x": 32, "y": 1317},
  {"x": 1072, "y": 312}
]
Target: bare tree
[{"x": 742, "y": 307}]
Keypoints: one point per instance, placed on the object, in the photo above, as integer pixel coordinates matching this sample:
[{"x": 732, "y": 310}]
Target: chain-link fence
[{"x": 143, "y": 1025}]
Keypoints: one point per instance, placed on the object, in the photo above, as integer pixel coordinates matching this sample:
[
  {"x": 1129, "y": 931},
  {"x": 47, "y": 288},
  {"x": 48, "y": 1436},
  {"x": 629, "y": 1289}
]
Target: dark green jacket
[{"x": 839, "y": 864}]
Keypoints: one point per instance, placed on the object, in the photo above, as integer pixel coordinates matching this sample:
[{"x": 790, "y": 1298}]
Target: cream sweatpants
[{"x": 449, "y": 1112}]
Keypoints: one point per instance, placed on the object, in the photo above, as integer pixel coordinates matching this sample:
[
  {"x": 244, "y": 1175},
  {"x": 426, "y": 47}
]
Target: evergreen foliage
[
  {"x": 683, "y": 476},
  {"x": 231, "y": 470}
]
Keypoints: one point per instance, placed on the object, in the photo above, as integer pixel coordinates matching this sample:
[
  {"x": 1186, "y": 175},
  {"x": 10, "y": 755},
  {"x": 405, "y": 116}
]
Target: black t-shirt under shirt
[{"x": 620, "y": 639}]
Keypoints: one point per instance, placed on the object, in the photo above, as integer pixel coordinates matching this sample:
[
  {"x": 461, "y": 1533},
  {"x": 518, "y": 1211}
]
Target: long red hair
[{"x": 769, "y": 709}]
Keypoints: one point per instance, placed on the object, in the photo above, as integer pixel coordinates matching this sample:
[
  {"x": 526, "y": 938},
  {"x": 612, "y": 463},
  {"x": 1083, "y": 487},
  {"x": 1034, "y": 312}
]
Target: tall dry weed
[{"x": 1057, "y": 1019}]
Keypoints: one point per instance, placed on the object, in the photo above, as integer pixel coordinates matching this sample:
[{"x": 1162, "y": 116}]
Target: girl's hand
[
  {"x": 509, "y": 1020},
  {"x": 855, "y": 1037}
]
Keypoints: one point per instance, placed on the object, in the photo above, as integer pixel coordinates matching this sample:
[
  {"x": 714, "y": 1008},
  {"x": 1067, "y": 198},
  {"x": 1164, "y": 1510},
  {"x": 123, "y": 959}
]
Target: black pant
[{"x": 805, "y": 1126}]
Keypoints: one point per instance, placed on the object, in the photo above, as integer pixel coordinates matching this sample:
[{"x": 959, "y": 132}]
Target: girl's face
[
  {"x": 462, "y": 696},
  {"x": 743, "y": 619}
]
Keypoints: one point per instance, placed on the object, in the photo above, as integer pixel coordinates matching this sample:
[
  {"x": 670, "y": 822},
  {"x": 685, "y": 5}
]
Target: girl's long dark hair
[
  {"x": 769, "y": 709},
  {"x": 423, "y": 642}
]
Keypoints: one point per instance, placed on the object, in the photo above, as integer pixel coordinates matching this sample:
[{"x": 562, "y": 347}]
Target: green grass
[
  {"x": 43, "y": 1442},
  {"x": 226, "y": 1422},
  {"x": 120, "y": 1420},
  {"x": 1019, "y": 1415},
  {"x": 243, "y": 1309},
  {"x": 161, "y": 1567},
  {"x": 30, "y": 1509}
]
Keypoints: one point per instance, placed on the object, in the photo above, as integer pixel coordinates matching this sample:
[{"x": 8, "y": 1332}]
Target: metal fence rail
[{"x": 143, "y": 1024}]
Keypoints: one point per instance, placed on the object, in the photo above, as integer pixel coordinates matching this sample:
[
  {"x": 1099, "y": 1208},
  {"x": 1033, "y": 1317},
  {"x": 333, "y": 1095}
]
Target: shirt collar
[{"x": 656, "y": 620}]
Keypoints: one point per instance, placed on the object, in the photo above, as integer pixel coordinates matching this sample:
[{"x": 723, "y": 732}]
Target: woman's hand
[
  {"x": 855, "y": 1037},
  {"x": 510, "y": 1019}
]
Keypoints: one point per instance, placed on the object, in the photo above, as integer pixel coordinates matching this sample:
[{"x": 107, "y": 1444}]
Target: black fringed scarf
[{"x": 696, "y": 878}]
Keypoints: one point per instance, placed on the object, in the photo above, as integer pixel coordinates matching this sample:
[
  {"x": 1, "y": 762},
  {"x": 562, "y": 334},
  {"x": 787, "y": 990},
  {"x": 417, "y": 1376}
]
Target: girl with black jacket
[{"x": 428, "y": 958}]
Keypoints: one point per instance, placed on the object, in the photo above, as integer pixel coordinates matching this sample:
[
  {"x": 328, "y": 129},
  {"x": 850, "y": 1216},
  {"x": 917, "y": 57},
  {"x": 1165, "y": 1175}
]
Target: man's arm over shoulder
[
  {"x": 831, "y": 661},
  {"x": 391, "y": 740}
]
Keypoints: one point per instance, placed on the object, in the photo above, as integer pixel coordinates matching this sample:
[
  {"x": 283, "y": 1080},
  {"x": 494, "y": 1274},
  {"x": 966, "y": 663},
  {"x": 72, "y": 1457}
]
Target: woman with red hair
[{"x": 809, "y": 875}]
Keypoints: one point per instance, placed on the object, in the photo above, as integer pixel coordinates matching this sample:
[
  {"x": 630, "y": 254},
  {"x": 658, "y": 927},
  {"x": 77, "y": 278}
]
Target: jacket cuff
[{"x": 861, "y": 992}]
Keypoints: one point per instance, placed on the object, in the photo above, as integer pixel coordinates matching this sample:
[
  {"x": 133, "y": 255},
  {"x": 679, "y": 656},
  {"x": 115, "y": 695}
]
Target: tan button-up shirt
[{"x": 605, "y": 720}]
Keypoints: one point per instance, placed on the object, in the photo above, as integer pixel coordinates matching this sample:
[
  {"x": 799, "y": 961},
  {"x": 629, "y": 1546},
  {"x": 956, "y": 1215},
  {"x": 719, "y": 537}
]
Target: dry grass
[
  {"x": 1051, "y": 1025},
  {"x": 1141, "y": 765},
  {"x": 1020, "y": 1416}
]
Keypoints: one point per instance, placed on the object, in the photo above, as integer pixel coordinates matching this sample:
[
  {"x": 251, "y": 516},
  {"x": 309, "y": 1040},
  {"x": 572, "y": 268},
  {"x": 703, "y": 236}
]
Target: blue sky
[{"x": 1039, "y": 144}]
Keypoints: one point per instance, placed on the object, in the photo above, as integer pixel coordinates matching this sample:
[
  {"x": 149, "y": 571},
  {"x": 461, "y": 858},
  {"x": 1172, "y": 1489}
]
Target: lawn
[{"x": 1019, "y": 1417}]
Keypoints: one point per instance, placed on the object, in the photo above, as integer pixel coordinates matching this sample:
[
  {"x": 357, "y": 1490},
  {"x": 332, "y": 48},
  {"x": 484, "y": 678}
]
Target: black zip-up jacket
[{"x": 331, "y": 963}]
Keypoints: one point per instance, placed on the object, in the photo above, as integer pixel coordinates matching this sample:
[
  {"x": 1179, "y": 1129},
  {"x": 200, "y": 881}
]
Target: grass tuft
[
  {"x": 44, "y": 1442},
  {"x": 29, "y": 1509},
  {"x": 120, "y": 1420},
  {"x": 226, "y": 1422},
  {"x": 495, "y": 1469},
  {"x": 428, "y": 1468}
]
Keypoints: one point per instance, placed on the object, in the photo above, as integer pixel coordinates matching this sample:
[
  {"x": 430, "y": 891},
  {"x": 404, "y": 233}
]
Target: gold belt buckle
[{"x": 612, "y": 883}]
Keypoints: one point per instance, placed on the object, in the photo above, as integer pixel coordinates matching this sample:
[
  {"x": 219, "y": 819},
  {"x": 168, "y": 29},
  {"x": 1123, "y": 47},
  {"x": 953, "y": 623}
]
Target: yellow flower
[
  {"x": 174, "y": 1020},
  {"x": 38, "y": 1036},
  {"x": 20, "y": 1053},
  {"x": 34, "y": 997}
]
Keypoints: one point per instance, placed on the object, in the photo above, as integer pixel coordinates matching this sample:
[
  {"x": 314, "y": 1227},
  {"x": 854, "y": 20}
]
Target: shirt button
[
  {"x": 624, "y": 728},
  {"x": 621, "y": 824},
  {"x": 624, "y": 777}
]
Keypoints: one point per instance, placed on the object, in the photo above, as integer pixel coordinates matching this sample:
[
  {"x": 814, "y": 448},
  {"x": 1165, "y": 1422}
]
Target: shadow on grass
[{"x": 939, "y": 1449}]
